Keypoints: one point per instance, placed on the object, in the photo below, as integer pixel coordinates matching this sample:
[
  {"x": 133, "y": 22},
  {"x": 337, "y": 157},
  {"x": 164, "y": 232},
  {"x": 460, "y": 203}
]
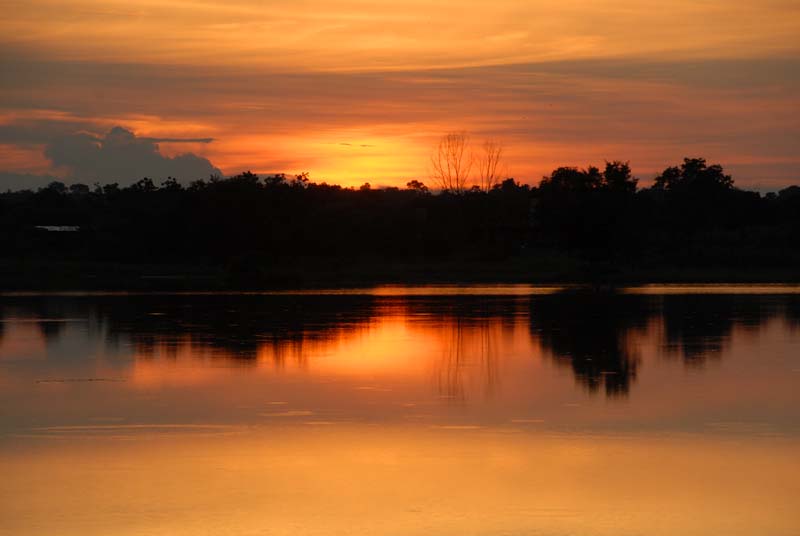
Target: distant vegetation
[{"x": 577, "y": 224}]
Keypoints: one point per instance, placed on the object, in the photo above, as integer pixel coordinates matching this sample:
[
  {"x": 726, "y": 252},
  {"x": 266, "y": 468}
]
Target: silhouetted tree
[
  {"x": 586, "y": 223},
  {"x": 56, "y": 187},
  {"x": 617, "y": 177},
  {"x": 452, "y": 162},
  {"x": 145, "y": 186},
  {"x": 171, "y": 184},
  {"x": 489, "y": 162},
  {"x": 79, "y": 189},
  {"x": 693, "y": 176},
  {"x": 417, "y": 186},
  {"x": 588, "y": 210}
]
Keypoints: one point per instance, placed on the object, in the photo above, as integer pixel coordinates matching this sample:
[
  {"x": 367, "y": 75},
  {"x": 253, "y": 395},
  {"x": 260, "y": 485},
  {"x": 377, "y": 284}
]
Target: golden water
[{"x": 521, "y": 411}]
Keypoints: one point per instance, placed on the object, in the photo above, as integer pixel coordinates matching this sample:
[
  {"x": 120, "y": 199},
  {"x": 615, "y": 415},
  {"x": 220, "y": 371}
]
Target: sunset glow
[
  {"x": 380, "y": 267},
  {"x": 356, "y": 92}
]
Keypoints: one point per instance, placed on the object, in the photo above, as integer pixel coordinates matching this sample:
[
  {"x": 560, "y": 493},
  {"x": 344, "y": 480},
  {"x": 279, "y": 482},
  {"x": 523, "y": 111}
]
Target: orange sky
[{"x": 354, "y": 91}]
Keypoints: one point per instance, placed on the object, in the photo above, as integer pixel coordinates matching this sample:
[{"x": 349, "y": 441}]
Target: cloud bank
[
  {"x": 117, "y": 156},
  {"x": 120, "y": 156}
]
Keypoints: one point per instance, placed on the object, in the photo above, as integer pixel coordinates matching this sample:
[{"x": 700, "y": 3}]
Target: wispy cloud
[
  {"x": 285, "y": 86},
  {"x": 358, "y": 35}
]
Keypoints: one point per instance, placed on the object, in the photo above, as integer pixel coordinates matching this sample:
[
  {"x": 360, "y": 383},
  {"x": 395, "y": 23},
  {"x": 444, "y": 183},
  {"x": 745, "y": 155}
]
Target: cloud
[
  {"x": 736, "y": 112},
  {"x": 42, "y": 128},
  {"x": 354, "y": 34},
  {"x": 121, "y": 156}
]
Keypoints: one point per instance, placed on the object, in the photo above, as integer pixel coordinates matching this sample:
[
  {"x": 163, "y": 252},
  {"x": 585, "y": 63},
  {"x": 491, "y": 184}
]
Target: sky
[{"x": 360, "y": 91}]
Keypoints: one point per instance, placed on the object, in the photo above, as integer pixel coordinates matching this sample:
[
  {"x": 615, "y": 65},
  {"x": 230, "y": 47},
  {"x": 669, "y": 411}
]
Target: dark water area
[{"x": 446, "y": 410}]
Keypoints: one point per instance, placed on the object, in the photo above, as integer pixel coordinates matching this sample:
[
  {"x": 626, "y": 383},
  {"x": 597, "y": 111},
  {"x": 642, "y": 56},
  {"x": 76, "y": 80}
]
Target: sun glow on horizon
[{"x": 356, "y": 92}]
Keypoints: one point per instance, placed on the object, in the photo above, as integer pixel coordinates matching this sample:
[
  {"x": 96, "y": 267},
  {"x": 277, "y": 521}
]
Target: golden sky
[{"x": 355, "y": 91}]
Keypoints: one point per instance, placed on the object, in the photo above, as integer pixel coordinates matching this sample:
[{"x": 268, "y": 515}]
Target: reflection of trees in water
[
  {"x": 50, "y": 329},
  {"x": 468, "y": 350},
  {"x": 590, "y": 334},
  {"x": 240, "y": 327},
  {"x": 792, "y": 311},
  {"x": 489, "y": 359},
  {"x": 47, "y": 315},
  {"x": 698, "y": 327},
  {"x": 224, "y": 326},
  {"x": 593, "y": 334},
  {"x": 471, "y": 329},
  {"x": 50, "y": 315},
  {"x": 295, "y": 350},
  {"x": 449, "y": 371}
]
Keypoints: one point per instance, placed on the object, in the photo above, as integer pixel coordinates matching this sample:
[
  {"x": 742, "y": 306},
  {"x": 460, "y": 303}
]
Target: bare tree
[
  {"x": 489, "y": 169},
  {"x": 452, "y": 162}
]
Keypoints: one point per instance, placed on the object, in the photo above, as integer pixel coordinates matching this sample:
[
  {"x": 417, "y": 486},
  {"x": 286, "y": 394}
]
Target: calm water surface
[{"x": 477, "y": 410}]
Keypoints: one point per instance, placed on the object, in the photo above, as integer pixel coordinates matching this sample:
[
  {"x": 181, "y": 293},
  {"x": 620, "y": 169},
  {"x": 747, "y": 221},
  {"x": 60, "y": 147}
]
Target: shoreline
[{"x": 41, "y": 275}]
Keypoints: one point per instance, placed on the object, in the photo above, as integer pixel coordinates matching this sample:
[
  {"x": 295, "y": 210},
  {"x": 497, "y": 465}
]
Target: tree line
[{"x": 600, "y": 219}]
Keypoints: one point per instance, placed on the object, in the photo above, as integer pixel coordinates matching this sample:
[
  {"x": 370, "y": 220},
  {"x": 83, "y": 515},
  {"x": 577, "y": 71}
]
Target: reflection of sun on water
[
  {"x": 388, "y": 346},
  {"x": 176, "y": 364},
  {"x": 342, "y": 426},
  {"x": 456, "y": 357}
]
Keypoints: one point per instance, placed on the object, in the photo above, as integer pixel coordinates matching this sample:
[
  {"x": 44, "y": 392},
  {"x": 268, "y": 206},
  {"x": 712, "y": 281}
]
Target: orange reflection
[
  {"x": 389, "y": 480},
  {"x": 381, "y": 414}
]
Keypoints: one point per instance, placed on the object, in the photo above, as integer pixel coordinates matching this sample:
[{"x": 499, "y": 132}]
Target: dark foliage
[{"x": 692, "y": 215}]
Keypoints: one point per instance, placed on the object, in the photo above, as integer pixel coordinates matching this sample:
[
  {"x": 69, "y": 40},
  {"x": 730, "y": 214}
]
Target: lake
[{"x": 493, "y": 410}]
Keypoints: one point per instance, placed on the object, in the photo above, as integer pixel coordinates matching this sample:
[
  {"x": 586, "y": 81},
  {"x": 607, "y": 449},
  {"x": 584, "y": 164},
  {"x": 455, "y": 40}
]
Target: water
[{"x": 479, "y": 410}]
